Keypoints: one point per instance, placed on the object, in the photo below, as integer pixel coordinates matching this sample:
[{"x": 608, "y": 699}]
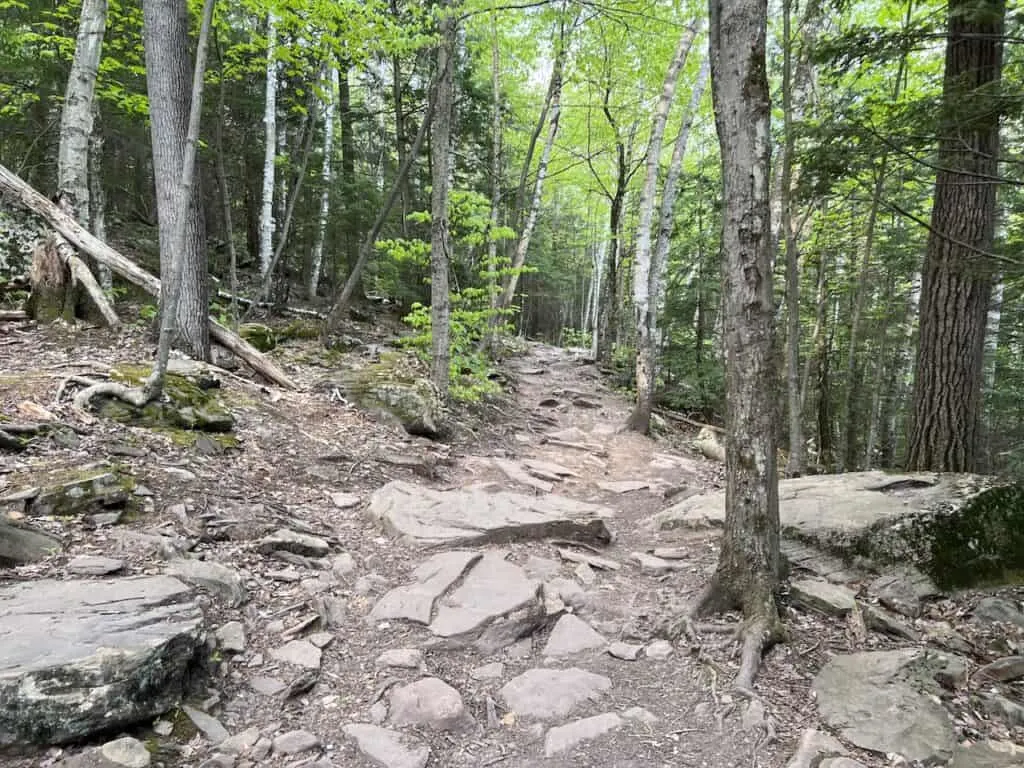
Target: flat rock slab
[
  {"x": 430, "y": 703},
  {"x": 82, "y": 656},
  {"x": 387, "y": 748},
  {"x": 94, "y": 565},
  {"x": 852, "y": 513},
  {"x": 284, "y": 540},
  {"x": 474, "y": 516},
  {"x": 67, "y": 491},
  {"x": 21, "y": 544},
  {"x": 552, "y": 693},
  {"x": 988, "y": 754},
  {"x": 565, "y": 737},
  {"x": 821, "y": 596},
  {"x": 624, "y": 486},
  {"x": 573, "y": 635},
  {"x": 493, "y": 588},
  {"x": 884, "y": 701},
  {"x": 415, "y": 601}
]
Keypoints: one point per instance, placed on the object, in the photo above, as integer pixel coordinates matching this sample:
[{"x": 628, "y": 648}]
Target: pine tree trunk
[
  {"x": 269, "y": 148},
  {"x": 169, "y": 78},
  {"x": 956, "y": 277},
  {"x": 440, "y": 239}
]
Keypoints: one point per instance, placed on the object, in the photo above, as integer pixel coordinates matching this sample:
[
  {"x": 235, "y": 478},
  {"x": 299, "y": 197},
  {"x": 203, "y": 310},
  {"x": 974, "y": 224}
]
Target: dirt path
[{"x": 299, "y": 451}]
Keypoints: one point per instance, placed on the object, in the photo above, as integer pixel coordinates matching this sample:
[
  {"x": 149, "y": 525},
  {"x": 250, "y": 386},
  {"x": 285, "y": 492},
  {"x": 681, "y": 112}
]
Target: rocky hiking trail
[{"x": 334, "y": 592}]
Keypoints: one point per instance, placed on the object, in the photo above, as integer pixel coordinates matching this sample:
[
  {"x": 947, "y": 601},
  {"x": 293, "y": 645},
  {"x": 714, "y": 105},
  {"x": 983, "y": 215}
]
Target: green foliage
[{"x": 574, "y": 337}]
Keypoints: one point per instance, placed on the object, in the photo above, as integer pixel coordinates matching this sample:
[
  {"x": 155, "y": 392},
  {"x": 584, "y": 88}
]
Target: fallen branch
[
  {"x": 672, "y": 416},
  {"x": 23, "y": 194},
  {"x": 13, "y": 314},
  {"x": 270, "y": 305}
]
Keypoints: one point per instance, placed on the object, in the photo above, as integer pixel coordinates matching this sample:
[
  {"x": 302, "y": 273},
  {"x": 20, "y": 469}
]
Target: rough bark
[
  {"x": 169, "y": 77},
  {"x": 225, "y": 197},
  {"x": 440, "y": 237},
  {"x": 645, "y": 272},
  {"x": 956, "y": 278},
  {"x": 326, "y": 176},
  {"x": 97, "y": 195},
  {"x": 747, "y": 575},
  {"x": 269, "y": 148},
  {"x": 351, "y": 225}
]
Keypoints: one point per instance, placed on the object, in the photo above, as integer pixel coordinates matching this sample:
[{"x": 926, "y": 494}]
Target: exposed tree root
[{"x": 136, "y": 396}]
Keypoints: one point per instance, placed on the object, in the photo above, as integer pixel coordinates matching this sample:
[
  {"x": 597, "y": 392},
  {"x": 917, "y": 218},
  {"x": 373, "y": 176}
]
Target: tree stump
[{"x": 53, "y": 291}]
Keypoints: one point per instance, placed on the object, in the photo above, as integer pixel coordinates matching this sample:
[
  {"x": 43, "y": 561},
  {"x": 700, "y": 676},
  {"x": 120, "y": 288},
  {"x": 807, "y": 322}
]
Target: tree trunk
[
  {"x": 166, "y": 38},
  {"x": 225, "y": 197},
  {"x": 326, "y": 175},
  {"x": 97, "y": 195},
  {"x": 269, "y": 148},
  {"x": 76, "y": 117},
  {"x": 645, "y": 276},
  {"x": 348, "y": 174},
  {"x": 180, "y": 281},
  {"x": 956, "y": 277},
  {"x": 493, "y": 280},
  {"x": 523, "y": 243},
  {"x": 747, "y": 576},
  {"x": 440, "y": 238}
]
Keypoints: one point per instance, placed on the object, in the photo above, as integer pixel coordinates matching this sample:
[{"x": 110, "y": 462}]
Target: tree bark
[
  {"x": 326, "y": 176},
  {"x": 269, "y": 148},
  {"x": 166, "y": 38},
  {"x": 440, "y": 237},
  {"x": 956, "y": 277},
  {"x": 645, "y": 273},
  {"x": 225, "y": 196},
  {"x": 747, "y": 576}
]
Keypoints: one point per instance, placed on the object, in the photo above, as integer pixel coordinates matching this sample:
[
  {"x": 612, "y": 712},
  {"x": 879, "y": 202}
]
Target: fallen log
[
  {"x": 13, "y": 314},
  {"x": 27, "y": 197},
  {"x": 270, "y": 305}
]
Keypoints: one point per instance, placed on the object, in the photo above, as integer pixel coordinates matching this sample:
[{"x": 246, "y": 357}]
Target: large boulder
[
  {"x": 66, "y": 491},
  {"x": 82, "y": 657},
  {"x": 951, "y": 527},
  {"x": 190, "y": 401},
  {"x": 398, "y": 388}
]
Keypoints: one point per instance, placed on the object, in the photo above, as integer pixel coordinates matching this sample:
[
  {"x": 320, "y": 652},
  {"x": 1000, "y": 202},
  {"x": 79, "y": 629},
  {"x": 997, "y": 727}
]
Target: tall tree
[
  {"x": 644, "y": 304},
  {"x": 168, "y": 80},
  {"x": 957, "y": 277},
  {"x": 440, "y": 236},
  {"x": 269, "y": 148},
  {"x": 329, "y": 103},
  {"x": 747, "y": 576}
]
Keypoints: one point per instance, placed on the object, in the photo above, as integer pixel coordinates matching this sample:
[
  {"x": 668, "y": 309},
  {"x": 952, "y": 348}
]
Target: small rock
[
  {"x": 640, "y": 715},
  {"x": 521, "y": 649},
  {"x": 903, "y": 591},
  {"x": 163, "y": 727},
  {"x": 369, "y": 583},
  {"x": 586, "y": 574},
  {"x": 429, "y": 702},
  {"x": 567, "y": 590},
  {"x": 261, "y": 749},
  {"x": 1001, "y": 670},
  {"x": 240, "y": 743},
  {"x": 653, "y": 565},
  {"x": 881, "y": 620},
  {"x": 625, "y": 651},
  {"x": 552, "y": 693},
  {"x": 671, "y": 553},
  {"x": 998, "y": 609},
  {"x": 343, "y": 564},
  {"x": 214, "y": 577},
  {"x": 658, "y": 650},
  {"x": 542, "y": 568},
  {"x": 830, "y": 599},
  {"x": 388, "y": 748},
  {"x": 988, "y": 754},
  {"x": 231, "y": 637},
  {"x": 287, "y": 575},
  {"x": 92, "y": 565},
  {"x": 564, "y": 737},
  {"x": 492, "y": 671},
  {"x": 293, "y": 742},
  {"x": 180, "y": 473},
  {"x": 841, "y": 762},
  {"x": 127, "y": 752},
  {"x": 302, "y": 653},
  {"x": 813, "y": 745},
  {"x": 403, "y": 658},
  {"x": 267, "y": 686},
  {"x": 753, "y": 716},
  {"x": 321, "y": 639},
  {"x": 291, "y": 541},
  {"x": 345, "y": 500},
  {"x": 1010, "y": 712},
  {"x": 572, "y": 635},
  {"x": 378, "y": 713},
  {"x": 210, "y": 726},
  {"x": 624, "y": 486}
]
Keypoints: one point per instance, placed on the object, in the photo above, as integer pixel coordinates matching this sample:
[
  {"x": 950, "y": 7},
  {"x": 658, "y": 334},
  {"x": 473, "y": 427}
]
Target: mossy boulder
[
  {"x": 300, "y": 329},
  {"x": 187, "y": 404},
  {"x": 397, "y": 386},
  {"x": 262, "y": 337},
  {"x": 68, "y": 491}
]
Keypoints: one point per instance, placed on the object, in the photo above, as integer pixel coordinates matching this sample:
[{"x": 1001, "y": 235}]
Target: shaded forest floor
[{"x": 297, "y": 449}]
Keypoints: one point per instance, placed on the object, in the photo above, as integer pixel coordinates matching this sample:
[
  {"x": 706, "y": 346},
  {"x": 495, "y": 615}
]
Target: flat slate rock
[
  {"x": 564, "y": 737},
  {"x": 885, "y": 701},
  {"x": 988, "y": 754},
  {"x": 494, "y": 588},
  {"x": 94, "y": 565},
  {"x": 473, "y": 516},
  {"x": 821, "y": 596},
  {"x": 21, "y": 543},
  {"x": 82, "y": 656},
  {"x": 415, "y": 602},
  {"x": 624, "y": 486},
  {"x": 388, "y": 748},
  {"x": 573, "y": 635},
  {"x": 552, "y": 693}
]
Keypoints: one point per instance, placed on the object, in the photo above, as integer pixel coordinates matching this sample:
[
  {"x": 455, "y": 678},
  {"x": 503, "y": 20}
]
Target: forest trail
[{"x": 334, "y": 642}]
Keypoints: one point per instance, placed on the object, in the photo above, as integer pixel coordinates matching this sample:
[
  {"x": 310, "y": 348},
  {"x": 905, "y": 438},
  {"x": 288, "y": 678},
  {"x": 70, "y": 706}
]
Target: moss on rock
[
  {"x": 397, "y": 386},
  {"x": 186, "y": 405},
  {"x": 260, "y": 336}
]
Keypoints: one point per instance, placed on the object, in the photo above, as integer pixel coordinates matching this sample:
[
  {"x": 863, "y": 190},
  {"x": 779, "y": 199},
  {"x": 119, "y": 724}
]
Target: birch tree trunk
[
  {"x": 747, "y": 576},
  {"x": 523, "y": 243},
  {"x": 97, "y": 195},
  {"x": 644, "y": 304},
  {"x": 269, "y": 148},
  {"x": 493, "y": 222},
  {"x": 440, "y": 238},
  {"x": 326, "y": 176},
  {"x": 76, "y": 118},
  {"x": 166, "y": 39}
]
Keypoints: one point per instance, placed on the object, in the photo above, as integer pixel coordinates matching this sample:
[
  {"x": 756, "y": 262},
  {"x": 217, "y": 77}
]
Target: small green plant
[
  {"x": 575, "y": 337},
  {"x": 147, "y": 312}
]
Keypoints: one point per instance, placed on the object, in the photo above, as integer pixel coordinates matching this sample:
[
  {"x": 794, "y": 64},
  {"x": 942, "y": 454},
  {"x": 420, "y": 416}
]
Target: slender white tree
[
  {"x": 269, "y": 147},
  {"x": 329, "y": 104}
]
